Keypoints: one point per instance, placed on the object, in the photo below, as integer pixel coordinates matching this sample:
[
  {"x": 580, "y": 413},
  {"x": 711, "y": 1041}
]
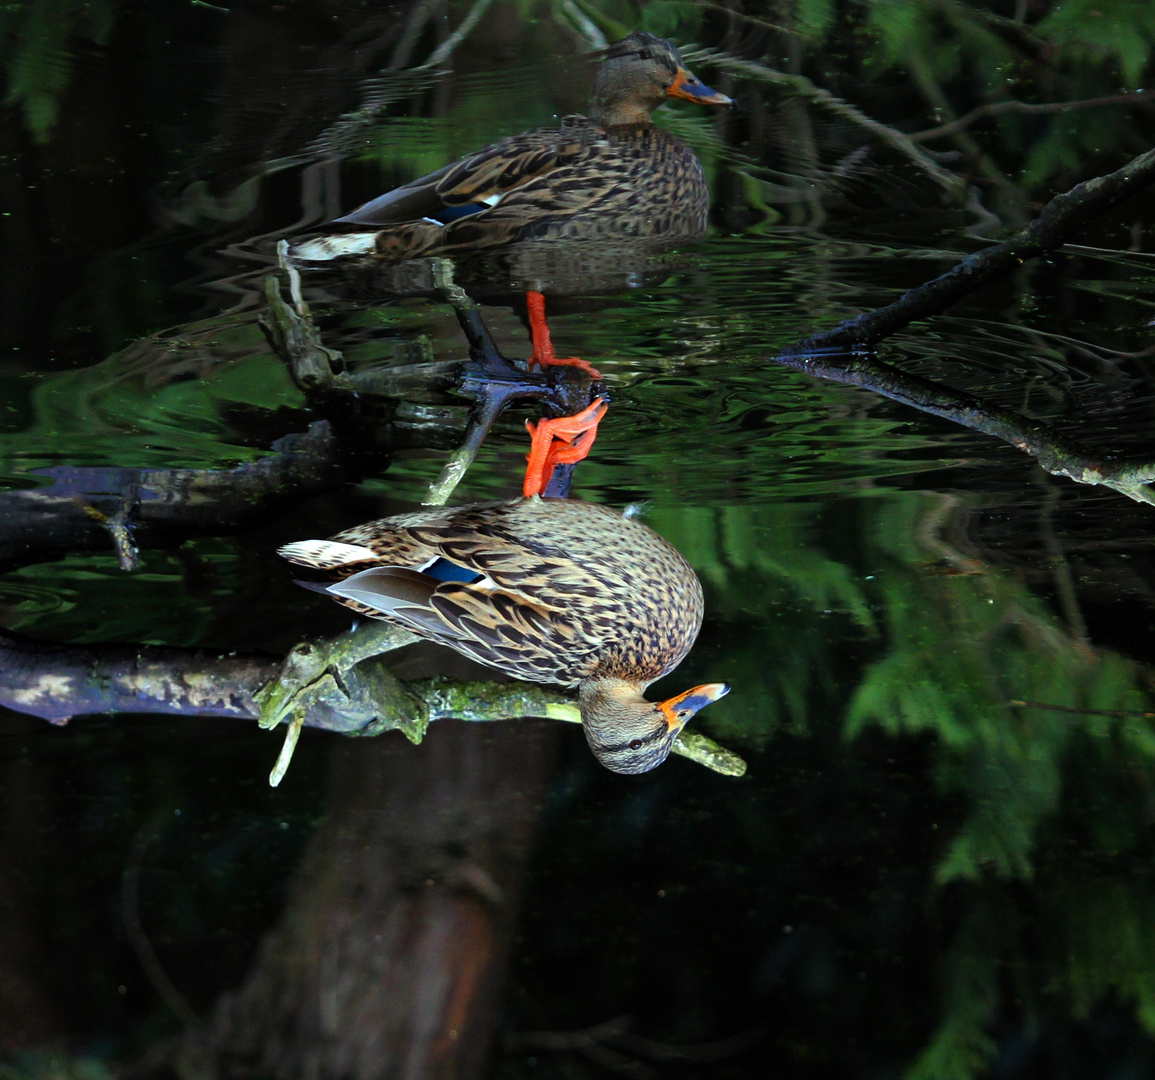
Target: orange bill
[
  {"x": 678, "y": 710},
  {"x": 686, "y": 86}
]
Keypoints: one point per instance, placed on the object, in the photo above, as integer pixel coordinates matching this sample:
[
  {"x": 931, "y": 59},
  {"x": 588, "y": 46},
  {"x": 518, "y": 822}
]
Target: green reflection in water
[
  {"x": 837, "y": 604},
  {"x": 175, "y": 598},
  {"x": 842, "y": 620},
  {"x": 160, "y": 403}
]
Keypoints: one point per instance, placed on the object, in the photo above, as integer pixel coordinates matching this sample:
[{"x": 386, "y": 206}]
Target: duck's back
[{"x": 617, "y": 598}]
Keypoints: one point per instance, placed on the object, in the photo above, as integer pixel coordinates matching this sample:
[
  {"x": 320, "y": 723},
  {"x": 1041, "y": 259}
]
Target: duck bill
[
  {"x": 678, "y": 710},
  {"x": 688, "y": 88}
]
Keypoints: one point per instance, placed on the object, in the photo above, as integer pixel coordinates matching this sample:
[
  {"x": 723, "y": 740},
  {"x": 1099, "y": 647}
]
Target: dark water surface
[{"x": 918, "y": 876}]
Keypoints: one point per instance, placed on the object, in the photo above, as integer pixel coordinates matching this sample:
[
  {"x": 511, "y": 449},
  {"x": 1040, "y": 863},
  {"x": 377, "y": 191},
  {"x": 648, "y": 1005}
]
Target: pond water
[{"x": 939, "y": 860}]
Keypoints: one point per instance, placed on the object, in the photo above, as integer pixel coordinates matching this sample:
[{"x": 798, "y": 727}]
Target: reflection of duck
[
  {"x": 608, "y": 178},
  {"x": 549, "y": 590},
  {"x": 612, "y": 175}
]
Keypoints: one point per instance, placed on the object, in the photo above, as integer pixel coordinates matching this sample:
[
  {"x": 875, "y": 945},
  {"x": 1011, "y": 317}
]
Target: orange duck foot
[
  {"x": 560, "y": 441},
  {"x": 543, "y": 354}
]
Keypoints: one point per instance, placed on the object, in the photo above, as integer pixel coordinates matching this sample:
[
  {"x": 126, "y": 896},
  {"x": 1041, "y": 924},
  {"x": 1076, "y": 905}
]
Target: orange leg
[
  {"x": 543, "y": 354},
  {"x": 561, "y": 441}
]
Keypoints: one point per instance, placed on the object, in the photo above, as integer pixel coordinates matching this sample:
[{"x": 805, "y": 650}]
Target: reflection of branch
[
  {"x": 445, "y": 50},
  {"x": 134, "y": 927},
  {"x": 1061, "y": 572},
  {"x": 1055, "y": 453},
  {"x": 346, "y": 134},
  {"x": 997, "y": 108},
  {"x": 1081, "y": 712},
  {"x": 419, "y": 17},
  {"x": 925, "y": 78},
  {"x": 800, "y": 86},
  {"x": 95, "y": 509},
  {"x": 591, "y": 35},
  {"x": 594, "y": 1042},
  {"x": 58, "y": 682}
]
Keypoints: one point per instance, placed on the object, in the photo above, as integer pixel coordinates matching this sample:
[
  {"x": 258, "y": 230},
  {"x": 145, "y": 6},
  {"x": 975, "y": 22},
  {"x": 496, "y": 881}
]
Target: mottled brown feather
[{"x": 574, "y": 590}]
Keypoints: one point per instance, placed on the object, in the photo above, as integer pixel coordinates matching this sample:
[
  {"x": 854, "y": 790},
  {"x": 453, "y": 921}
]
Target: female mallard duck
[
  {"x": 611, "y": 174},
  {"x": 550, "y": 590}
]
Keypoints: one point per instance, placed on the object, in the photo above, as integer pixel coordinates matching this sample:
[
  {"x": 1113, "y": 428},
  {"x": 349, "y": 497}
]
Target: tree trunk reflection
[{"x": 388, "y": 958}]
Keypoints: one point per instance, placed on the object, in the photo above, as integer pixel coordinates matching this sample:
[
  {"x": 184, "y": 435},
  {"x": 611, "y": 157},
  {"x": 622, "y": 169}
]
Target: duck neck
[
  {"x": 609, "y": 697},
  {"x": 609, "y": 113}
]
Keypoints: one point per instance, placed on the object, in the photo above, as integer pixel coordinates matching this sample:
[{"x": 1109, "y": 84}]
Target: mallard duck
[
  {"x": 555, "y": 591},
  {"x": 608, "y": 175}
]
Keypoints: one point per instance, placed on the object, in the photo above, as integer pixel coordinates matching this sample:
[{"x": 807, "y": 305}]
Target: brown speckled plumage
[
  {"x": 580, "y": 589},
  {"x": 573, "y": 594},
  {"x": 564, "y": 203},
  {"x": 611, "y": 174}
]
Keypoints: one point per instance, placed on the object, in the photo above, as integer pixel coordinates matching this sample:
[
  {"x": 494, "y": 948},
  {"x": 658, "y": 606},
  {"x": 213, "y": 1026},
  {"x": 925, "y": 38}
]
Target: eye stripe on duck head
[{"x": 637, "y": 743}]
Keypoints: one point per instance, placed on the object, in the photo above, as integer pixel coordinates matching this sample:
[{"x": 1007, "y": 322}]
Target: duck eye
[{"x": 635, "y": 744}]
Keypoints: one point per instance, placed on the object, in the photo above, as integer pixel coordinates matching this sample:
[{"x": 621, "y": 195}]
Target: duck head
[
  {"x": 637, "y": 75},
  {"x": 629, "y": 734}
]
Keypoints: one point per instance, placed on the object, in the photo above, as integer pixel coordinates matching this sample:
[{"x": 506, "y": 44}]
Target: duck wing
[
  {"x": 477, "y": 181},
  {"x": 495, "y": 628},
  {"x": 632, "y": 182},
  {"x": 463, "y": 579}
]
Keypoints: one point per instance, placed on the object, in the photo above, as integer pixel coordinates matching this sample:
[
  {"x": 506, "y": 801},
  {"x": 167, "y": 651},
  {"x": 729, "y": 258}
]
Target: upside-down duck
[{"x": 555, "y": 591}]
